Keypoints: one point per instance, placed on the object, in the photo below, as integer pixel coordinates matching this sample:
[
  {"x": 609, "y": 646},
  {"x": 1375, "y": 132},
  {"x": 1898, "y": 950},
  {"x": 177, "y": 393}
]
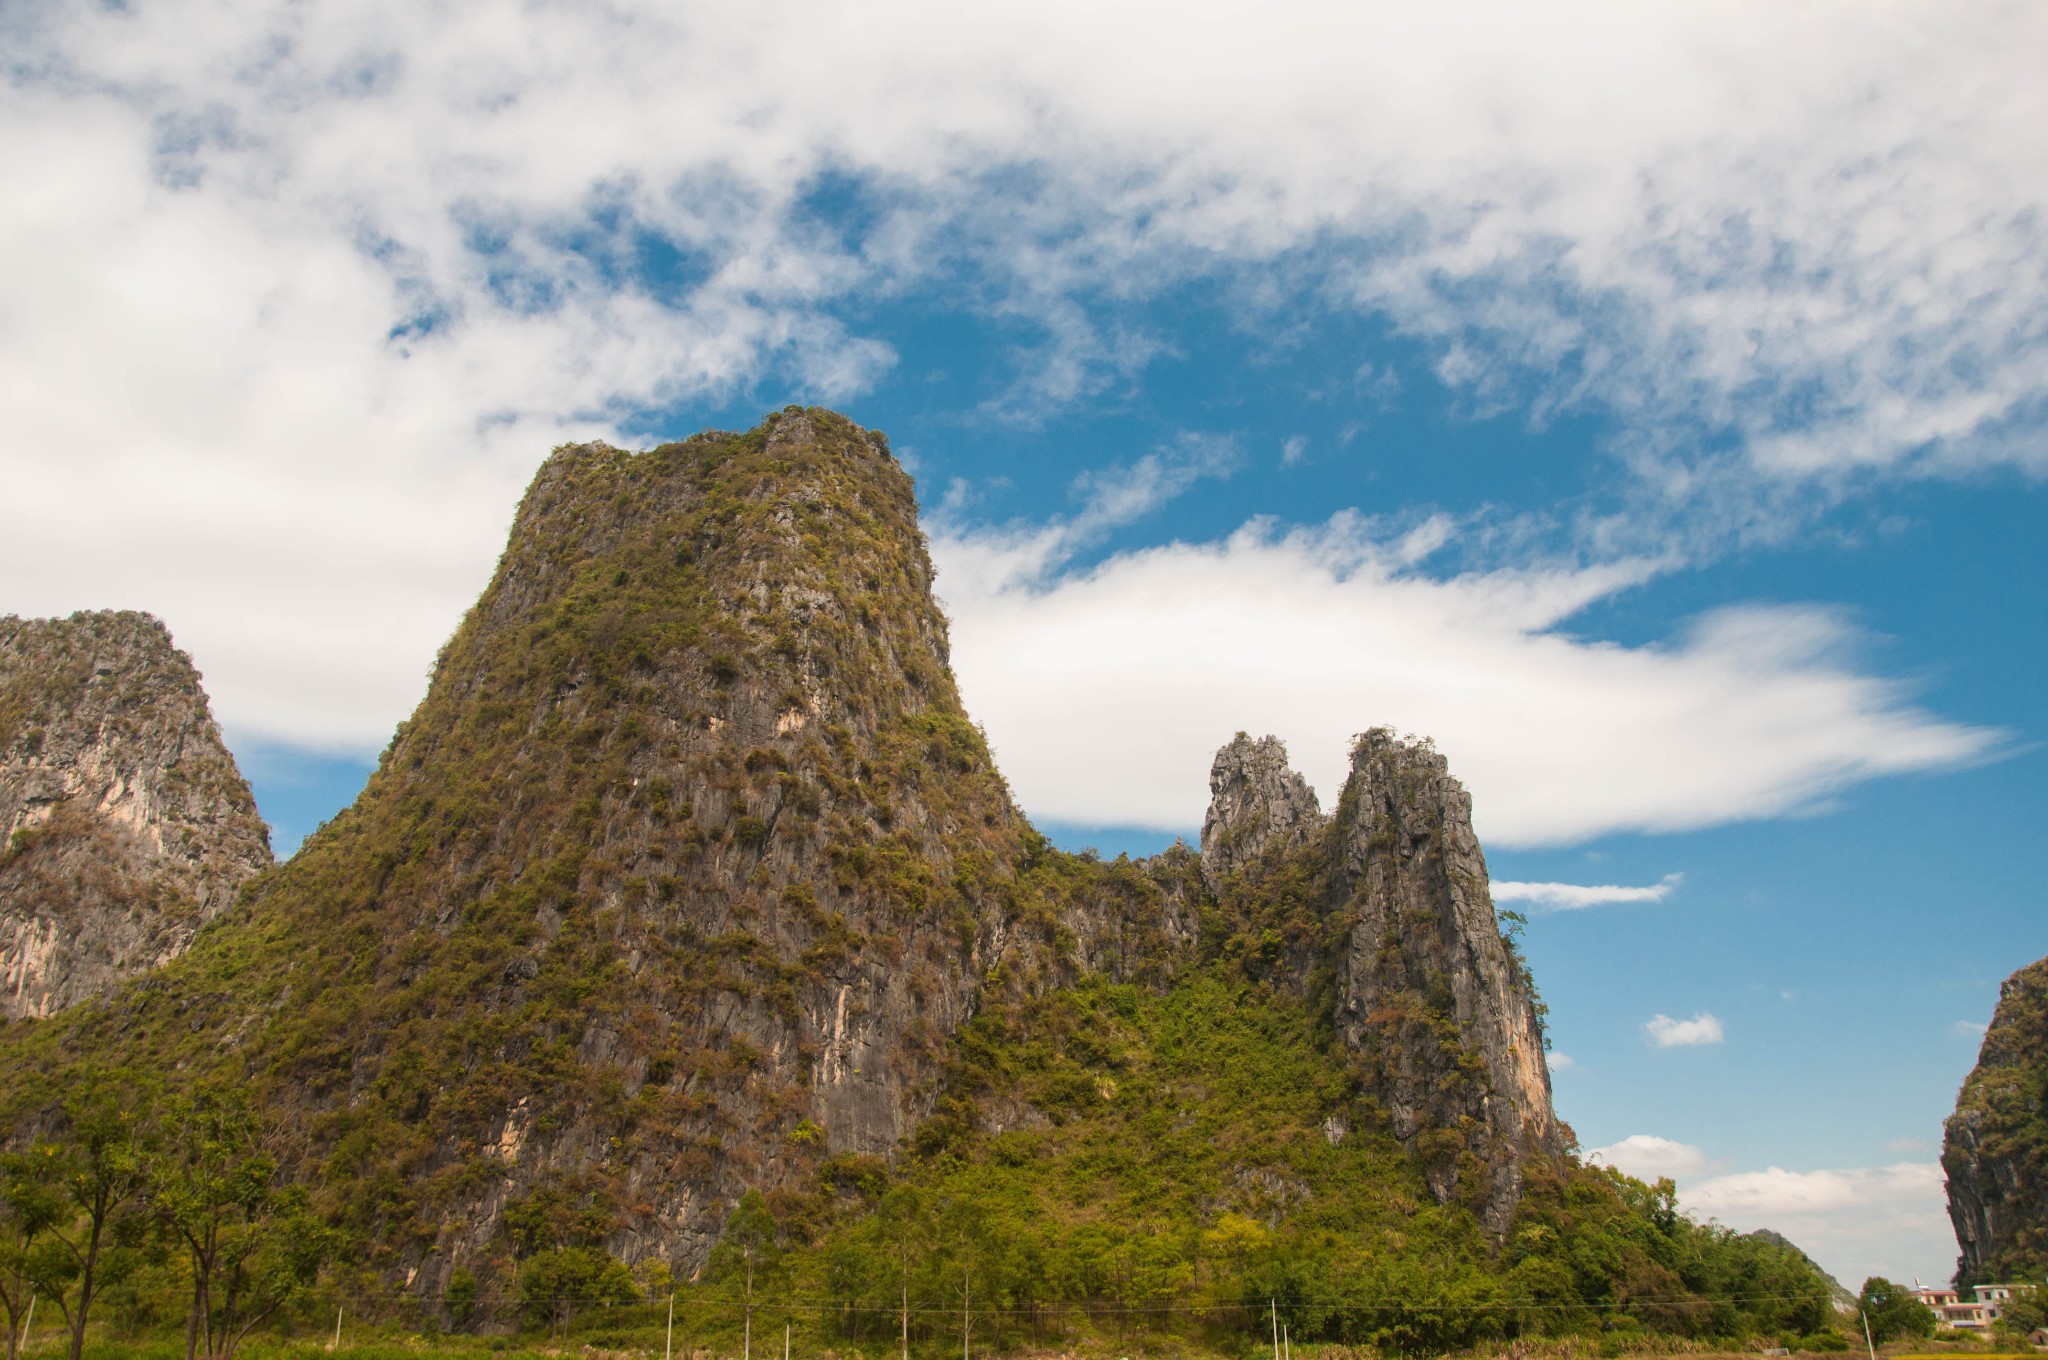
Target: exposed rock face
[
  {"x": 1427, "y": 985},
  {"x": 127, "y": 824},
  {"x": 1427, "y": 991},
  {"x": 1257, "y": 804},
  {"x": 690, "y": 867},
  {"x": 682, "y": 875},
  {"x": 1995, "y": 1150}
]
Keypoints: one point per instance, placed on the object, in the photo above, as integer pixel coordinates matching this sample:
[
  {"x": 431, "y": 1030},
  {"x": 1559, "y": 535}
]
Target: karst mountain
[
  {"x": 691, "y": 876},
  {"x": 126, "y": 825},
  {"x": 1995, "y": 1149}
]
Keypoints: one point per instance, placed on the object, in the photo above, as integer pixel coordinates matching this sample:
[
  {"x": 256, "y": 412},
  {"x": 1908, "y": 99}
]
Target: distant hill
[
  {"x": 1995, "y": 1150},
  {"x": 690, "y": 914}
]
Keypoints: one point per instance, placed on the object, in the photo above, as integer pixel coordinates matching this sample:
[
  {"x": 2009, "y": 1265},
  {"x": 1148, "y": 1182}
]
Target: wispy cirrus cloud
[{"x": 337, "y": 276}]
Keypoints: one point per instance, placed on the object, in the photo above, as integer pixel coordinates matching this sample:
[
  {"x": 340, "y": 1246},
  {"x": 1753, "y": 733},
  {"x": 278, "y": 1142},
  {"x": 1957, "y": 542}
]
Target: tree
[
  {"x": 31, "y": 1204},
  {"x": 2022, "y": 1315},
  {"x": 209, "y": 1193},
  {"x": 906, "y": 1227},
  {"x": 969, "y": 1257},
  {"x": 268, "y": 1265},
  {"x": 554, "y": 1283},
  {"x": 1891, "y": 1310},
  {"x": 747, "y": 1251},
  {"x": 102, "y": 1172}
]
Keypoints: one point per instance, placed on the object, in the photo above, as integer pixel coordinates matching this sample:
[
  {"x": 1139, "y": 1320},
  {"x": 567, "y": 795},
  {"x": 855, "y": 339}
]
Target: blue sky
[{"x": 1650, "y": 412}]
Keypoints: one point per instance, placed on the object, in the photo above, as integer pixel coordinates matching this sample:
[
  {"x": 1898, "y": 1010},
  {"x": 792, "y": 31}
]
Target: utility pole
[
  {"x": 1274, "y": 1304},
  {"x": 1872, "y": 1345},
  {"x": 668, "y": 1347},
  {"x": 338, "y": 1309},
  {"x": 785, "y": 1339}
]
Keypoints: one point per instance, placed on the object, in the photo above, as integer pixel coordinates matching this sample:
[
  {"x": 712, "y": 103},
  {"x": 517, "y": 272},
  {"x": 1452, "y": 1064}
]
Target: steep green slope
[
  {"x": 1168, "y": 1170},
  {"x": 687, "y": 925},
  {"x": 1996, "y": 1146},
  {"x": 690, "y": 846}
]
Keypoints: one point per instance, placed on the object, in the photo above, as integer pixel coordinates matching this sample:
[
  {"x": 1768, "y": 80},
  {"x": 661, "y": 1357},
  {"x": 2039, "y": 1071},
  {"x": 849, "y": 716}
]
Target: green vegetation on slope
[
  {"x": 680, "y": 890},
  {"x": 692, "y": 759},
  {"x": 1153, "y": 1170},
  {"x": 1142, "y": 1166}
]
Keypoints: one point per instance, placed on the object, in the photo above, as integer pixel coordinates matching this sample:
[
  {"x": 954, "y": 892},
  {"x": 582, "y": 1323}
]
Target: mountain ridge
[{"x": 691, "y": 878}]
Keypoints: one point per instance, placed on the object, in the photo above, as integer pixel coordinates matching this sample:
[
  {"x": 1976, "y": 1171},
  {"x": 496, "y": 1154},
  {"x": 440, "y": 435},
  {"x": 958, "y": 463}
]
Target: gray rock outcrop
[
  {"x": 1428, "y": 988},
  {"x": 1427, "y": 991},
  {"x": 127, "y": 824},
  {"x": 1995, "y": 1146},
  {"x": 1257, "y": 805}
]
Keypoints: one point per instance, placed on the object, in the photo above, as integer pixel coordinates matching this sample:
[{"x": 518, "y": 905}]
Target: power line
[{"x": 1377, "y": 1303}]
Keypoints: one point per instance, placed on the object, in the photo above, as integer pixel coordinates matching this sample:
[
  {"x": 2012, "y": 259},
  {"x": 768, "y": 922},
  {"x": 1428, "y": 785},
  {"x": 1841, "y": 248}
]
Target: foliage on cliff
[
  {"x": 689, "y": 843},
  {"x": 1163, "y": 1167},
  {"x": 690, "y": 901},
  {"x": 1164, "y": 1170},
  {"x": 1995, "y": 1152}
]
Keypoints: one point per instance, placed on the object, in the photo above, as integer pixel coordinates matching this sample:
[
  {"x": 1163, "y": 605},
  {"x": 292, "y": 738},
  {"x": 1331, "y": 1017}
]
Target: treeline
[
  {"x": 1184, "y": 1170},
  {"x": 960, "y": 1262},
  {"x": 126, "y": 1181}
]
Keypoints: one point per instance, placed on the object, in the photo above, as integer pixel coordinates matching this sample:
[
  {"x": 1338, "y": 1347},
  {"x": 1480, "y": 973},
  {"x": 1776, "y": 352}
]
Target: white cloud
[
  {"x": 1560, "y": 1062},
  {"x": 1575, "y": 896},
  {"x": 1666, "y": 1032},
  {"x": 1969, "y": 1029},
  {"x": 1905, "y": 1145},
  {"x": 314, "y": 286},
  {"x": 1106, "y": 691},
  {"x": 1887, "y": 1220},
  {"x": 1648, "y": 1157}
]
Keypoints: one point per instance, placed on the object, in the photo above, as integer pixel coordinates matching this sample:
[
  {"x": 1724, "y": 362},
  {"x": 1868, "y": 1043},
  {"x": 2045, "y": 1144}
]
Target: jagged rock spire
[
  {"x": 1427, "y": 990},
  {"x": 1258, "y": 804},
  {"x": 1427, "y": 986}
]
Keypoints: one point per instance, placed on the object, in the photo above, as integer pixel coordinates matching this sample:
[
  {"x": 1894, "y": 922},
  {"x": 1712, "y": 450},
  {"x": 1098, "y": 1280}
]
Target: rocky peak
[
  {"x": 126, "y": 824},
  {"x": 1995, "y": 1146},
  {"x": 1257, "y": 804},
  {"x": 1428, "y": 989},
  {"x": 691, "y": 805}
]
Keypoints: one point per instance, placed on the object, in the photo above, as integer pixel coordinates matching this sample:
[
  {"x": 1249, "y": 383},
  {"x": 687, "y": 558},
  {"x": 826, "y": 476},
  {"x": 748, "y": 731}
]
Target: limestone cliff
[
  {"x": 1387, "y": 899},
  {"x": 679, "y": 880},
  {"x": 1257, "y": 805},
  {"x": 126, "y": 824},
  {"x": 689, "y": 870},
  {"x": 1427, "y": 986},
  {"x": 1995, "y": 1149}
]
